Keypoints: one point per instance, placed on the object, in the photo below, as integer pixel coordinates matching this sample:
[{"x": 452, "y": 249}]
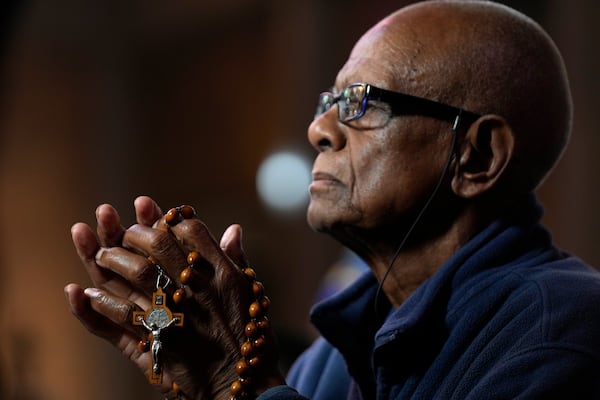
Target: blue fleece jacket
[{"x": 509, "y": 316}]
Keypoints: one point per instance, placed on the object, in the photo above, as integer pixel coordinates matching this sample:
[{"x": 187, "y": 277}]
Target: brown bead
[
  {"x": 251, "y": 329},
  {"x": 265, "y": 303},
  {"x": 242, "y": 368},
  {"x": 263, "y": 324},
  {"x": 247, "y": 349},
  {"x": 250, "y": 273},
  {"x": 258, "y": 289},
  {"x": 179, "y": 295},
  {"x": 259, "y": 343},
  {"x": 246, "y": 382},
  {"x": 187, "y": 212},
  {"x": 193, "y": 257},
  {"x": 255, "y": 362},
  {"x": 241, "y": 396},
  {"x": 236, "y": 388},
  {"x": 172, "y": 217},
  {"x": 186, "y": 275},
  {"x": 255, "y": 310},
  {"x": 143, "y": 345}
]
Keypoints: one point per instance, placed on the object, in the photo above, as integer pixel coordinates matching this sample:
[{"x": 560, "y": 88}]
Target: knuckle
[
  {"x": 143, "y": 272},
  {"x": 124, "y": 313},
  {"x": 161, "y": 243},
  {"x": 195, "y": 228},
  {"x": 117, "y": 311}
]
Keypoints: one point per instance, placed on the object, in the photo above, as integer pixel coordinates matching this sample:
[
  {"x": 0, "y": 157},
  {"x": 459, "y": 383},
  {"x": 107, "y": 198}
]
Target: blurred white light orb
[{"x": 282, "y": 181}]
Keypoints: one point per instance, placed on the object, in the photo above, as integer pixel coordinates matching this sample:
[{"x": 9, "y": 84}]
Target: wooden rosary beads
[
  {"x": 175, "y": 215},
  {"x": 256, "y": 331},
  {"x": 253, "y": 349},
  {"x": 185, "y": 275}
]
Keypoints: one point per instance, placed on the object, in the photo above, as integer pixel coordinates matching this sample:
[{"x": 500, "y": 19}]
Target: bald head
[{"x": 490, "y": 59}]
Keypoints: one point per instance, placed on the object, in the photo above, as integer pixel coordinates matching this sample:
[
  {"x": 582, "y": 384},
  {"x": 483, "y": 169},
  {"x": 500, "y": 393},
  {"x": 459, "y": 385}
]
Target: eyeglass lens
[{"x": 350, "y": 102}]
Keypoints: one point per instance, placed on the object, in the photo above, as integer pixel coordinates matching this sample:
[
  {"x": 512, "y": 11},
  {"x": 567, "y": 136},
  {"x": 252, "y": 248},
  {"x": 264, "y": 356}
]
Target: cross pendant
[{"x": 156, "y": 319}]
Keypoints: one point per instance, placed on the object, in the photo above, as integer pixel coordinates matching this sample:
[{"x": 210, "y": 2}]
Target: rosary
[{"x": 159, "y": 318}]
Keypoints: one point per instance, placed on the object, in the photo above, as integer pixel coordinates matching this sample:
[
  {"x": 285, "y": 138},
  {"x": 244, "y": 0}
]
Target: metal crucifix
[{"x": 156, "y": 319}]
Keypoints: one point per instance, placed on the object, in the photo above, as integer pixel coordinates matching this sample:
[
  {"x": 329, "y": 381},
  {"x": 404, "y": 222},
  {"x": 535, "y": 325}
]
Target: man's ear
[{"x": 486, "y": 151}]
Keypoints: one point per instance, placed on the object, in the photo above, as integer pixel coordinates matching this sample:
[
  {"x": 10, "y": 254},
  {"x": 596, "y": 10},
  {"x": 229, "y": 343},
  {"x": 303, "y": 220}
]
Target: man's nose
[{"x": 325, "y": 133}]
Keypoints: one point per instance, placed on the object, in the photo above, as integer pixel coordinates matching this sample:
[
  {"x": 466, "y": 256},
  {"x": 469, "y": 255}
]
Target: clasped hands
[{"x": 201, "y": 356}]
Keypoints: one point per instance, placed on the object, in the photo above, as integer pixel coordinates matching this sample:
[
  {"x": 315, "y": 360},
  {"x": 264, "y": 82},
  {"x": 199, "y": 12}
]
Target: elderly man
[{"x": 445, "y": 118}]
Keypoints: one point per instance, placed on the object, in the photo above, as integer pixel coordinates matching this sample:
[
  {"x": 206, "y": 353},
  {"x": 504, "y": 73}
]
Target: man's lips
[
  {"x": 322, "y": 180},
  {"x": 323, "y": 176}
]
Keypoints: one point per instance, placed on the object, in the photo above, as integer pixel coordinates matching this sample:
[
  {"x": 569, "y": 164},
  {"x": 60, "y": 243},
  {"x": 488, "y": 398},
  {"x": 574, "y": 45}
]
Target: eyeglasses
[{"x": 353, "y": 103}]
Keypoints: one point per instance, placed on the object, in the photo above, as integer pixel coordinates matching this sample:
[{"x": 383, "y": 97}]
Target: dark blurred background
[{"x": 183, "y": 101}]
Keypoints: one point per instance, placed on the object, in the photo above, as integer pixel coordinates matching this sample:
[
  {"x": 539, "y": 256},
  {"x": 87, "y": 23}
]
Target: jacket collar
[{"x": 349, "y": 321}]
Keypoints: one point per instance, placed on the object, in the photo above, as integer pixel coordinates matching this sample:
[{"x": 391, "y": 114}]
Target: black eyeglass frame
[{"x": 401, "y": 104}]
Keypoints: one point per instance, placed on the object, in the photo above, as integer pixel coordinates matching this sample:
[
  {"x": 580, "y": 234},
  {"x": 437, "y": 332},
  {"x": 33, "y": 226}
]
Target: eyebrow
[
  {"x": 332, "y": 89},
  {"x": 342, "y": 84}
]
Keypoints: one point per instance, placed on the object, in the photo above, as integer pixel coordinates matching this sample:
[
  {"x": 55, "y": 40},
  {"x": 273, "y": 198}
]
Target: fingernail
[
  {"x": 92, "y": 293},
  {"x": 99, "y": 255}
]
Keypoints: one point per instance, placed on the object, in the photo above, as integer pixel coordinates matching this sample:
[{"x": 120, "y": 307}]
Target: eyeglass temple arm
[{"x": 407, "y": 103}]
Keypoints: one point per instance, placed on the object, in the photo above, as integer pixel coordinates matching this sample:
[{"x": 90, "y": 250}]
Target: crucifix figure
[{"x": 155, "y": 320}]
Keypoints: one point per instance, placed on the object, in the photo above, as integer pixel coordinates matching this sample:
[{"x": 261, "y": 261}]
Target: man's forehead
[
  {"x": 364, "y": 69},
  {"x": 383, "y": 58}
]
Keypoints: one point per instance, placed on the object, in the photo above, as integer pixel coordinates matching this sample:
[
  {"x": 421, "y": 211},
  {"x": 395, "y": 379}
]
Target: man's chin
[
  {"x": 316, "y": 219},
  {"x": 314, "y": 224},
  {"x": 325, "y": 223}
]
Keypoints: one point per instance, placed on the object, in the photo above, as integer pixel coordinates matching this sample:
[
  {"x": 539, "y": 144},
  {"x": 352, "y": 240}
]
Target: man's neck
[{"x": 419, "y": 258}]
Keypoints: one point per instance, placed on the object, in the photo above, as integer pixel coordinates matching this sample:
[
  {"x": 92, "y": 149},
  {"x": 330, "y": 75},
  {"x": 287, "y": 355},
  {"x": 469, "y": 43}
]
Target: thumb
[{"x": 231, "y": 244}]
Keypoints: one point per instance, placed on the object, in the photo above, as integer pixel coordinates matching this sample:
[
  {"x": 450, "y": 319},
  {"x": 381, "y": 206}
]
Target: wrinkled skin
[{"x": 200, "y": 356}]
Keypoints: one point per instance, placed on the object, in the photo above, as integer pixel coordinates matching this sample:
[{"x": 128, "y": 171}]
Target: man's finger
[
  {"x": 147, "y": 212},
  {"x": 80, "y": 305},
  {"x": 110, "y": 232},
  {"x": 231, "y": 244},
  {"x": 87, "y": 246}
]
